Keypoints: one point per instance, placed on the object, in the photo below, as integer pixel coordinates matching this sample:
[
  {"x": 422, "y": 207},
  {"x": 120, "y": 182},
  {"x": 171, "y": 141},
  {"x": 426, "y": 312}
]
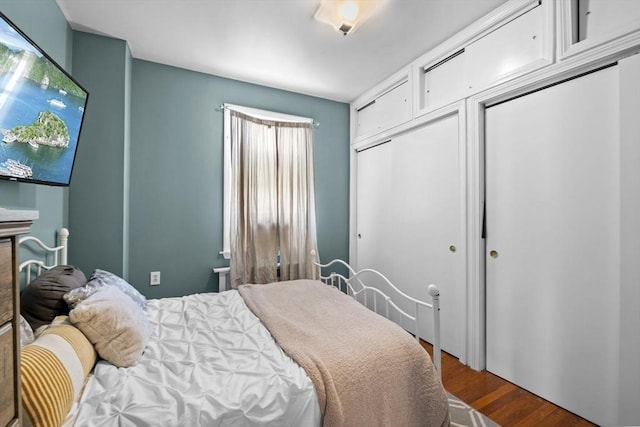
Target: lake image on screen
[{"x": 41, "y": 111}]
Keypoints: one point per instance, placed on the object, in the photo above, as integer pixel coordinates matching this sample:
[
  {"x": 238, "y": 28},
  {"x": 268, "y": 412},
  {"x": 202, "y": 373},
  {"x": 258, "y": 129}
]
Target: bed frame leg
[
  {"x": 63, "y": 235},
  {"x": 435, "y": 296}
]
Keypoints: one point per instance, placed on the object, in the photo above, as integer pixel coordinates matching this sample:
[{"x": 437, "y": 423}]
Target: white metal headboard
[
  {"x": 338, "y": 280},
  {"x": 51, "y": 256}
]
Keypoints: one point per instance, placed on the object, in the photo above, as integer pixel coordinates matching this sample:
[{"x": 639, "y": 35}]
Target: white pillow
[
  {"x": 117, "y": 327},
  {"x": 26, "y": 333},
  {"x": 97, "y": 280}
]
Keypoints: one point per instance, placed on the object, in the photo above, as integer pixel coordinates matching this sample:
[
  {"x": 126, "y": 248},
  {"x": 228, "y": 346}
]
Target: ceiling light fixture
[
  {"x": 345, "y": 15},
  {"x": 349, "y": 10}
]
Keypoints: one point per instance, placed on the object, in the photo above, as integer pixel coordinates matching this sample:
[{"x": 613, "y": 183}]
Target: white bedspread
[{"x": 210, "y": 362}]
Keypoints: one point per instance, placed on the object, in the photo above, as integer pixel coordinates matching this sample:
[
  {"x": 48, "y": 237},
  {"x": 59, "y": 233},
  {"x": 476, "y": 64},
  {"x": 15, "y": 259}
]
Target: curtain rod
[{"x": 272, "y": 115}]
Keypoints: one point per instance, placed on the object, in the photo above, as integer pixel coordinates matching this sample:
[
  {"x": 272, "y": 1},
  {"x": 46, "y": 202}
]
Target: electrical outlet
[{"x": 154, "y": 278}]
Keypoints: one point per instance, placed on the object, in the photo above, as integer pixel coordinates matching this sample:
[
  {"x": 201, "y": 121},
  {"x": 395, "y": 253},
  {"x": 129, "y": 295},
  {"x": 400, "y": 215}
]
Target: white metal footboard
[
  {"x": 346, "y": 284},
  {"x": 51, "y": 256}
]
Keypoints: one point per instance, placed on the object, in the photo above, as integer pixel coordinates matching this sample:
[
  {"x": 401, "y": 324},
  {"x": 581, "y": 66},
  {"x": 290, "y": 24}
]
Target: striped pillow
[{"x": 53, "y": 370}]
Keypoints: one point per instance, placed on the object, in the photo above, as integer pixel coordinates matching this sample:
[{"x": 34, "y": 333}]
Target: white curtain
[
  {"x": 272, "y": 200},
  {"x": 296, "y": 203}
]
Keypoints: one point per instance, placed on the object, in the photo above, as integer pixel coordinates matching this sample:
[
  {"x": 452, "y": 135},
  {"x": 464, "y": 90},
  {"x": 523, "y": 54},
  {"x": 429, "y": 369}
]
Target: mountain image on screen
[{"x": 41, "y": 112}]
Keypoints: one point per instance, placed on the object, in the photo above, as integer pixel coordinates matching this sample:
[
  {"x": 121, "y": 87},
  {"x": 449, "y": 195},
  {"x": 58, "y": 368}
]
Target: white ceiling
[{"x": 277, "y": 43}]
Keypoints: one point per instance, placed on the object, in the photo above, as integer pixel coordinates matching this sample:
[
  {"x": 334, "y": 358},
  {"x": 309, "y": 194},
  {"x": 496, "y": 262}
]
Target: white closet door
[
  {"x": 409, "y": 214},
  {"x": 553, "y": 220},
  {"x": 629, "y": 394},
  {"x": 374, "y": 215}
]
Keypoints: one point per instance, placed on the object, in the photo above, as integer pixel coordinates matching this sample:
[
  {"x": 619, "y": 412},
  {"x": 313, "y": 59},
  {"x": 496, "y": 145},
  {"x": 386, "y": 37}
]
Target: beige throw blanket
[{"x": 366, "y": 370}]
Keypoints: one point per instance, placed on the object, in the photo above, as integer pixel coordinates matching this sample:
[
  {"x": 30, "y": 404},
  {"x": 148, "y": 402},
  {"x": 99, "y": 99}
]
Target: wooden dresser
[{"x": 12, "y": 224}]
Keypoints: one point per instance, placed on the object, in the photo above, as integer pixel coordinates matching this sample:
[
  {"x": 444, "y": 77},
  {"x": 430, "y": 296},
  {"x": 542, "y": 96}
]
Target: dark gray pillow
[{"x": 41, "y": 301}]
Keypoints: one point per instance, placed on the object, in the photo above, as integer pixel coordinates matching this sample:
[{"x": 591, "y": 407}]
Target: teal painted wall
[
  {"x": 146, "y": 191},
  {"x": 176, "y": 173},
  {"x": 45, "y": 24},
  {"x": 97, "y": 195}
]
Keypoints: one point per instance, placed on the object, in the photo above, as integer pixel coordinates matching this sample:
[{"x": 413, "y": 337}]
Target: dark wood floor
[{"x": 500, "y": 400}]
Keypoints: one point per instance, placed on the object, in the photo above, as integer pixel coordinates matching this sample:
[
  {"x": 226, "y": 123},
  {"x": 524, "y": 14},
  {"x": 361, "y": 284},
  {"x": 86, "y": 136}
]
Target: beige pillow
[{"x": 117, "y": 327}]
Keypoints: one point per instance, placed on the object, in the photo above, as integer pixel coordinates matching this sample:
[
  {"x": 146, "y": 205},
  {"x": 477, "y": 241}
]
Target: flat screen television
[{"x": 41, "y": 112}]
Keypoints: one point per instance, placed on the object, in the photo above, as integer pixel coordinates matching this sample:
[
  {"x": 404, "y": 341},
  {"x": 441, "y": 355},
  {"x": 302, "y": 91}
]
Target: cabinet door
[
  {"x": 600, "y": 19},
  {"x": 389, "y": 109},
  {"x": 506, "y": 50},
  {"x": 409, "y": 215},
  {"x": 444, "y": 82},
  {"x": 553, "y": 243}
]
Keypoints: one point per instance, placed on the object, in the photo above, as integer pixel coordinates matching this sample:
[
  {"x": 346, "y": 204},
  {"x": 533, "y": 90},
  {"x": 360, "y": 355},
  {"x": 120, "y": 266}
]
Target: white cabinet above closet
[
  {"x": 597, "y": 25},
  {"x": 517, "y": 41},
  {"x": 443, "y": 82},
  {"x": 514, "y": 39},
  {"x": 385, "y": 107},
  {"x": 507, "y": 51}
]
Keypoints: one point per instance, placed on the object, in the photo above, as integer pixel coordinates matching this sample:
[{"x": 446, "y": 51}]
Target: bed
[{"x": 296, "y": 353}]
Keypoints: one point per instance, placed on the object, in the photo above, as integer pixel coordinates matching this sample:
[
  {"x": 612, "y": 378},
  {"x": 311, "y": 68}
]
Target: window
[{"x": 269, "y": 200}]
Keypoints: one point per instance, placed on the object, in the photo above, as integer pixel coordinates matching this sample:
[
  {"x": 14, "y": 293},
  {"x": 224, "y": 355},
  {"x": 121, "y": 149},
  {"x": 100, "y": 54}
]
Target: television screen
[{"x": 41, "y": 112}]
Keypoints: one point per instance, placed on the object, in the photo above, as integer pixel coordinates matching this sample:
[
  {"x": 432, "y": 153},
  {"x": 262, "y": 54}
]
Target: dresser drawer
[
  {"x": 6, "y": 282},
  {"x": 8, "y": 409}
]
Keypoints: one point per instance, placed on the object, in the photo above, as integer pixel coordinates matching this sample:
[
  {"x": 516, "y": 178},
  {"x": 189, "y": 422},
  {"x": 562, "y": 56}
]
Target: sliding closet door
[
  {"x": 553, "y": 243},
  {"x": 374, "y": 207},
  {"x": 409, "y": 218}
]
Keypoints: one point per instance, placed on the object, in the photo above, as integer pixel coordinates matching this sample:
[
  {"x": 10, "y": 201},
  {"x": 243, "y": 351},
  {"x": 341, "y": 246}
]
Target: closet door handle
[
  {"x": 452, "y": 248},
  {"x": 359, "y": 236},
  {"x": 493, "y": 254}
]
